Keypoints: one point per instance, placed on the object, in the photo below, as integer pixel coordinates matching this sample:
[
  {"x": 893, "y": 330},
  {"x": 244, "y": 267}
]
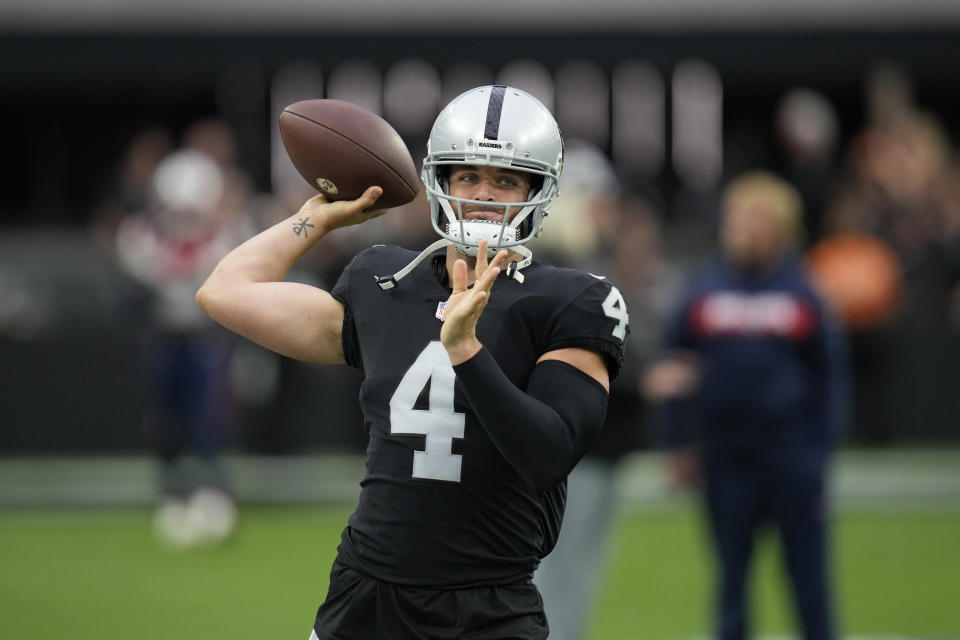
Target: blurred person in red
[
  {"x": 754, "y": 387},
  {"x": 169, "y": 248}
]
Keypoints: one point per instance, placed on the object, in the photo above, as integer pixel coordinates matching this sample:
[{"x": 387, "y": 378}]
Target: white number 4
[
  {"x": 440, "y": 423},
  {"x": 614, "y": 307}
]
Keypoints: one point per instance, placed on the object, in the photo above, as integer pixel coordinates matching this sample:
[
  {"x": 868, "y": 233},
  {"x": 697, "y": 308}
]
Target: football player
[{"x": 485, "y": 377}]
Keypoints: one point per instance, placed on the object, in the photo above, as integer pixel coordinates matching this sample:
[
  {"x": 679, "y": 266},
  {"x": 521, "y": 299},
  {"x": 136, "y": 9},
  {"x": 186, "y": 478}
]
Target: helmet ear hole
[
  {"x": 536, "y": 184},
  {"x": 443, "y": 176}
]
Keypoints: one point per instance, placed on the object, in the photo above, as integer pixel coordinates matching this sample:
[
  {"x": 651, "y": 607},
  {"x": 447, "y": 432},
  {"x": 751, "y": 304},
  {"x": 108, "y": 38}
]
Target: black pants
[
  {"x": 746, "y": 489},
  {"x": 358, "y": 607}
]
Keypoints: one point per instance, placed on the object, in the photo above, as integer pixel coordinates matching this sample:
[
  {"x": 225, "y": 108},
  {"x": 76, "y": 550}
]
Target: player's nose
[{"x": 484, "y": 191}]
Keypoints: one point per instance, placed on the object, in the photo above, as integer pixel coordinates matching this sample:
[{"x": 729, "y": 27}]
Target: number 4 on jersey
[
  {"x": 440, "y": 423},
  {"x": 616, "y": 308}
]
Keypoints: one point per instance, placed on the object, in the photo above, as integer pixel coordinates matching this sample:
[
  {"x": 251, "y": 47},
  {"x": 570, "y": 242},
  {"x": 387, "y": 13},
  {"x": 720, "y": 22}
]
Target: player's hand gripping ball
[{"x": 340, "y": 148}]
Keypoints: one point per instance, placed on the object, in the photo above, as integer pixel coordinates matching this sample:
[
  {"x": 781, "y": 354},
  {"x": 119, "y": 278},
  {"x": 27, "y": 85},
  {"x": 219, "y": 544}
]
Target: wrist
[
  {"x": 463, "y": 350},
  {"x": 325, "y": 224},
  {"x": 318, "y": 222}
]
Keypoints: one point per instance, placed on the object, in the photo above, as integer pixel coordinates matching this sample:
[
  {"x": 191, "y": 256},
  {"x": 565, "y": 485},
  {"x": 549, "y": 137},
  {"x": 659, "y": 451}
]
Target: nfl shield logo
[{"x": 440, "y": 308}]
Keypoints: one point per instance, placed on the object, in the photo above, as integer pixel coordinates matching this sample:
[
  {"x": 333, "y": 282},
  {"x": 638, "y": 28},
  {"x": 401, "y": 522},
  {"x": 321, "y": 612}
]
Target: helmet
[{"x": 495, "y": 126}]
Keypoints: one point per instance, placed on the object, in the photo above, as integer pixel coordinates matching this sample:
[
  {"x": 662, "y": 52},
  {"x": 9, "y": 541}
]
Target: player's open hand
[
  {"x": 465, "y": 304},
  {"x": 342, "y": 213}
]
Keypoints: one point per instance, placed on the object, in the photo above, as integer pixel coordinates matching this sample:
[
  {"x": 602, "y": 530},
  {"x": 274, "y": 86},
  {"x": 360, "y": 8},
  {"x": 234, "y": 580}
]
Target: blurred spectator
[
  {"x": 215, "y": 138},
  {"x": 130, "y": 185},
  {"x": 169, "y": 247},
  {"x": 592, "y": 226},
  {"x": 807, "y": 132},
  {"x": 581, "y": 223},
  {"x": 896, "y": 188},
  {"x": 755, "y": 374}
]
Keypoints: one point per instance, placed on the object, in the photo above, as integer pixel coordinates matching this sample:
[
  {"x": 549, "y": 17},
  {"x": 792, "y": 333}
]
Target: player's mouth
[{"x": 483, "y": 214}]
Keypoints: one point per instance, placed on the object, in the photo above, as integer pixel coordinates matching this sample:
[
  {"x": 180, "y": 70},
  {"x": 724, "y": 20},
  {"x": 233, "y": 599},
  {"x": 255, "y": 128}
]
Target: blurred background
[{"x": 109, "y": 110}]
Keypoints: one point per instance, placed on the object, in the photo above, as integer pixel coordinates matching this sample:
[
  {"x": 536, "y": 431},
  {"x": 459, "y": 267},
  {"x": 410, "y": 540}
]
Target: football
[{"x": 340, "y": 148}]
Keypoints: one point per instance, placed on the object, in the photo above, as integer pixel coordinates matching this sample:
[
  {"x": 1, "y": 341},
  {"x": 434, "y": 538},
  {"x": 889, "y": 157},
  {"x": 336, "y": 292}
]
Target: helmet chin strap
[
  {"x": 513, "y": 269},
  {"x": 389, "y": 282}
]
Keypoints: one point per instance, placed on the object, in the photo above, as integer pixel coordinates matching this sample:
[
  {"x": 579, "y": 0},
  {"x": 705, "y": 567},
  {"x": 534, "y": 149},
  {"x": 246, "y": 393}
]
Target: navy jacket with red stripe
[{"x": 773, "y": 360}]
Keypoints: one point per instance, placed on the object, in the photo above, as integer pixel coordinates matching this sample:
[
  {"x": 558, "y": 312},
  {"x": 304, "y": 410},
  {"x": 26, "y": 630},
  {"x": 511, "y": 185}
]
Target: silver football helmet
[{"x": 495, "y": 126}]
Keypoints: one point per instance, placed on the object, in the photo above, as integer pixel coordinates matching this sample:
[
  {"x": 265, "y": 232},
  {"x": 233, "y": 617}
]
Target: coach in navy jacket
[{"x": 755, "y": 390}]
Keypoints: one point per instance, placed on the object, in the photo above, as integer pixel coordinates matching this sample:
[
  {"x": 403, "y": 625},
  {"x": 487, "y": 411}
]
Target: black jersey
[{"x": 439, "y": 504}]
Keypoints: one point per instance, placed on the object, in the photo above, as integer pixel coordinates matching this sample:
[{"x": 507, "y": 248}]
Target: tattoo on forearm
[{"x": 301, "y": 227}]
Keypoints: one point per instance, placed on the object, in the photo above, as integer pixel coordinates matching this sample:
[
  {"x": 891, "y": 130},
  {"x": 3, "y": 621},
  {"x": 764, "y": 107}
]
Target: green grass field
[{"x": 78, "y": 574}]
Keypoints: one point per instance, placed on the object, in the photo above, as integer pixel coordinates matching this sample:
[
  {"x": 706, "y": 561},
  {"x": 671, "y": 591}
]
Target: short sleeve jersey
[{"x": 439, "y": 505}]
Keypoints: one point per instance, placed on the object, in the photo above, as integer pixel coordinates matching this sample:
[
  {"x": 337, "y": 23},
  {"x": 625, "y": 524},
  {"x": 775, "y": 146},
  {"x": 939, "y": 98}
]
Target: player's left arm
[
  {"x": 586, "y": 360},
  {"x": 465, "y": 305},
  {"x": 542, "y": 431}
]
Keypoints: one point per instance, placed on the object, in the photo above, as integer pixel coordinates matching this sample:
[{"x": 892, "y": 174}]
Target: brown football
[{"x": 340, "y": 148}]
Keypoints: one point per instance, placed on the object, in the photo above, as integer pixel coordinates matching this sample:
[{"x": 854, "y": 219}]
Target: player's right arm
[{"x": 246, "y": 292}]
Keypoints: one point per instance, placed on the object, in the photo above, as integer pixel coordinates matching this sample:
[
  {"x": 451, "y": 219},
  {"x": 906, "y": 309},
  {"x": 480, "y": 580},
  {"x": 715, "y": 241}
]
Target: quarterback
[{"x": 485, "y": 377}]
